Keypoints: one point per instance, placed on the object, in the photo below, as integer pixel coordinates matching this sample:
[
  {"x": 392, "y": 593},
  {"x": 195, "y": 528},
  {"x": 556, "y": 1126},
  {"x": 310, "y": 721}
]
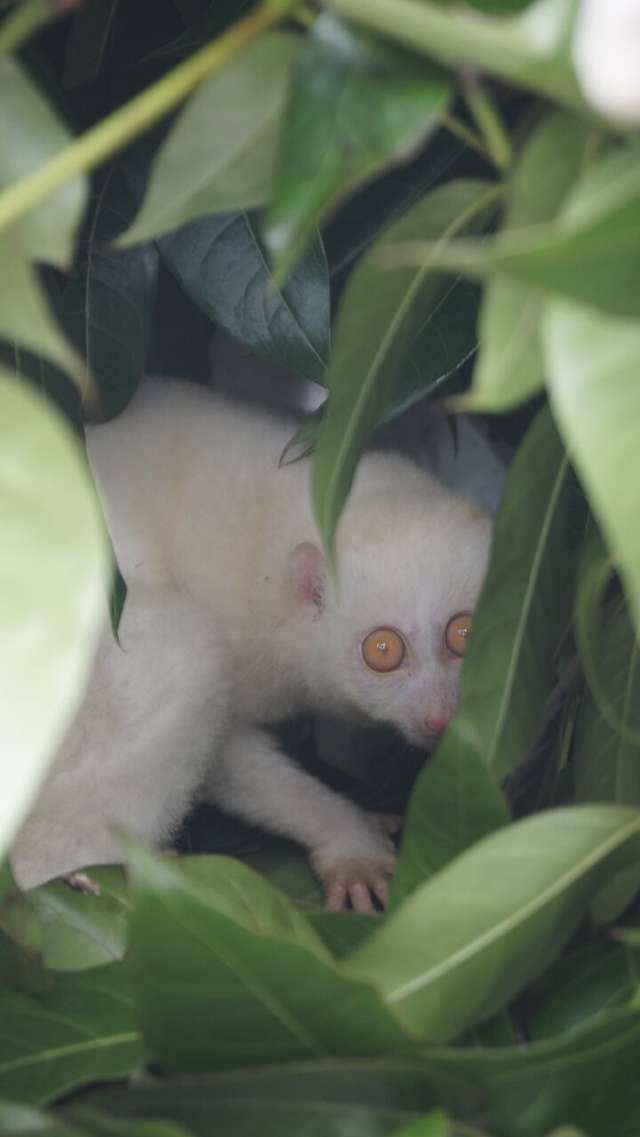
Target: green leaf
[
  {"x": 355, "y": 105},
  {"x": 79, "y": 930},
  {"x": 31, "y": 134},
  {"x": 52, "y": 588},
  {"x": 221, "y": 264},
  {"x": 583, "y": 986},
  {"x": 531, "y": 50},
  {"x": 435, "y": 1125},
  {"x": 522, "y": 614},
  {"x": 495, "y": 917},
  {"x": 520, "y": 1091},
  {"x": 107, "y": 304},
  {"x": 455, "y": 803},
  {"x": 510, "y": 365},
  {"x": 211, "y": 942},
  {"x": 26, "y": 317},
  {"x": 592, "y": 363},
  {"x": 23, "y": 1121},
  {"x": 219, "y": 154},
  {"x": 380, "y": 316},
  {"x": 82, "y": 1031}
]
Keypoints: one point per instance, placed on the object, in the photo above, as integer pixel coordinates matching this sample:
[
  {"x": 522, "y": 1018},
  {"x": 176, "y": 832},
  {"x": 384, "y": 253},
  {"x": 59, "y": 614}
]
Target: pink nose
[{"x": 437, "y": 722}]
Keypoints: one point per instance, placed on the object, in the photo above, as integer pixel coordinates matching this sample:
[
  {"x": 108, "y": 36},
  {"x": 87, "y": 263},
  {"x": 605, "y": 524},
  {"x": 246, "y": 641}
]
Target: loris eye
[
  {"x": 457, "y": 633},
  {"x": 383, "y": 649}
]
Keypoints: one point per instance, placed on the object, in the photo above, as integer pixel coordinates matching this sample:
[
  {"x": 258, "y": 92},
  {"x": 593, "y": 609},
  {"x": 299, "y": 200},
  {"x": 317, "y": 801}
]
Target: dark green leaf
[
  {"x": 212, "y": 942},
  {"x": 221, "y": 264},
  {"x": 80, "y": 1032},
  {"x": 219, "y": 154},
  {"x": 380, "y": 316},
  {"x": 87, "y": 43},
  {"x": 355, "y": 106},
  {"x": 583, "y": 986},
  {"x": 463, "y": 944},
  {"x": 108, "y": 301},
  {"x": 521, "y": 1091},
  {"x": 23, "y": 1121}
]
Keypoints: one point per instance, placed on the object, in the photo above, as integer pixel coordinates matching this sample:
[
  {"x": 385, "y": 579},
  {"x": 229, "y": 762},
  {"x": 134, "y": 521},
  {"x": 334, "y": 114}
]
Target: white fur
[{"x": 227, "y": 629}]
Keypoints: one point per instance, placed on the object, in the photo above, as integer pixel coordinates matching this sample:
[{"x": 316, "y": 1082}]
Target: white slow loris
[{"x": 234, "y": 622}]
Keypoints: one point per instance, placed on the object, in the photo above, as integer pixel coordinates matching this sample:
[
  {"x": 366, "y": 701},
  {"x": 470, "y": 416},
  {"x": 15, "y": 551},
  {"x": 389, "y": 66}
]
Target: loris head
[{"x": 386, "y": 640}]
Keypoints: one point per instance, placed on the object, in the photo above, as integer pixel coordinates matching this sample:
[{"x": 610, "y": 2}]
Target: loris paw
[
  {"x": 355, "y": 882},
  {"x": 389, "y": 823},
  {"x": 82, "y": 883}
]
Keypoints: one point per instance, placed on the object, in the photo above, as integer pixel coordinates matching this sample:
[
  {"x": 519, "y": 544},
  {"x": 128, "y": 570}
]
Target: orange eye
[
  {"x": 457, "y": 633},
  {"x": 383, "y": 650}
]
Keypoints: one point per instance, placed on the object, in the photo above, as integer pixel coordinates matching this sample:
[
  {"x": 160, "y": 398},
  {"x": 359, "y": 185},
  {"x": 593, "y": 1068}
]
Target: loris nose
[{"x": 437, "y": 722}]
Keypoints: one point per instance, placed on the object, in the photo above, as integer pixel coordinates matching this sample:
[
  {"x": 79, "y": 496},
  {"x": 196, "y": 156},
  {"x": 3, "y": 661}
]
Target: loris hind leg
[{"x": 351, "y": 853}]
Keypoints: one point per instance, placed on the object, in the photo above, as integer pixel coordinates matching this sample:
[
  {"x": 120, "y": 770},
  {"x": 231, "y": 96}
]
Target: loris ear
[{"x": 307, "y": 573}]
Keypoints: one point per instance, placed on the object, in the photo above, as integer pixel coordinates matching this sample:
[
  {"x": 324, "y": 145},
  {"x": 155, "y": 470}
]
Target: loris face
[{"x": 392, "y": 636}]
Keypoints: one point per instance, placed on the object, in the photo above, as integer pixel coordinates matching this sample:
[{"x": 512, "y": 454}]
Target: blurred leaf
[
  {"x": 592, "y": 363},
  {"x": 53, "y": 579},
  {"x": 30, "y": 134},
  {"x": 80, "y": 1032},
  {"x": 219, "y": 154},
  {"x": 288, "y": 869},
  {"x": 87, "y": 42},
  {"x": 590, "y": 254},
  {"x": 510, "y": 366},
  {"x": 343, "y": 932},
  {"x": 221, "y": 264},
  {"x": 463, "y": 944},
  {"x": 211, "y": 942},
  {"x": 455, "y": 802},
  {"x": 531, "y": 49},
  {"x": 355, "y": 105},
  {"x": 380, "y": 315},
  {"x": 435, "y": 1125},
  {"x": 24, "y": 1121},
  {"x": 520, "y": 1091},
  {"x": 107, "y": 304},
  {"x": 583, "y": 986},
  {"x": 26, "y": 317}
]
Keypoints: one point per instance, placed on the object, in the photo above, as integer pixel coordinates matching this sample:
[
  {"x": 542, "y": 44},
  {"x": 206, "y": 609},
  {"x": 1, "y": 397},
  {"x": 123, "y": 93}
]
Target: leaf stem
[
  {"x": 463, "y": 132},
  {"x": 101, "y": 141},
  {"x": 488, "y": 120},
  {"x": 23, "y": 22}
]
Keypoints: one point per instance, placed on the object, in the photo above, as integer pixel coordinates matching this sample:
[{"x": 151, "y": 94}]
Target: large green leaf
[
  {"x": 355, "y": 105},
  {"x": 213, "y": 943},
  {"x": 590, "y": 254},
  {"x": 455, "y": 802},
  {"x": 18, "y": 1120},
  {"x": 531, "y": 50},
  {"x": 468, "y": 940},
  {"x": 592, "y": 364},
  {"x": 82, "y": 1031},
  {"x": 380, "y": 316},
  {"x": 108, "y": 301},
  {"x": 520, "y": 1091},
  {"x": 53, "y": 583},
  {"x": 221, "y": 263},
  {"x": 510, "y": 365},
  {"x": 219, "y": 154},
  {"x": 79, "y": 930},
  {"x": 30, "y": 134}
]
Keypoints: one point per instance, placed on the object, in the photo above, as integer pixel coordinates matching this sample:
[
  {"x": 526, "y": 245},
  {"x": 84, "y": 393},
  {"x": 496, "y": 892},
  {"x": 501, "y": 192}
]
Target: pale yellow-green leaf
[{"x": 53, "y": 582}]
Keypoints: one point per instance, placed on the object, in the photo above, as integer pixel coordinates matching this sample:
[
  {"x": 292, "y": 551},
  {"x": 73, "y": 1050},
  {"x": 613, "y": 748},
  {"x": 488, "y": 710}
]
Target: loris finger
[
  {"x": 360, "y": 897},
  {"x": 336, "y": 897}
]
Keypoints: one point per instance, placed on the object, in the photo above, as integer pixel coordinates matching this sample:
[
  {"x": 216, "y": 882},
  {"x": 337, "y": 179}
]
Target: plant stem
[
  {"x": 23, "y": 22},
  {"x": 101, "y": 141},
  {"x": 488, "y": 120},
  {"x": 462, "y": 131}
]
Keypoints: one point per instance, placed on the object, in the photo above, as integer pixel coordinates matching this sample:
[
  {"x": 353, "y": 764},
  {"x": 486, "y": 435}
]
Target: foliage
[{"x": 431, "y": 175}]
